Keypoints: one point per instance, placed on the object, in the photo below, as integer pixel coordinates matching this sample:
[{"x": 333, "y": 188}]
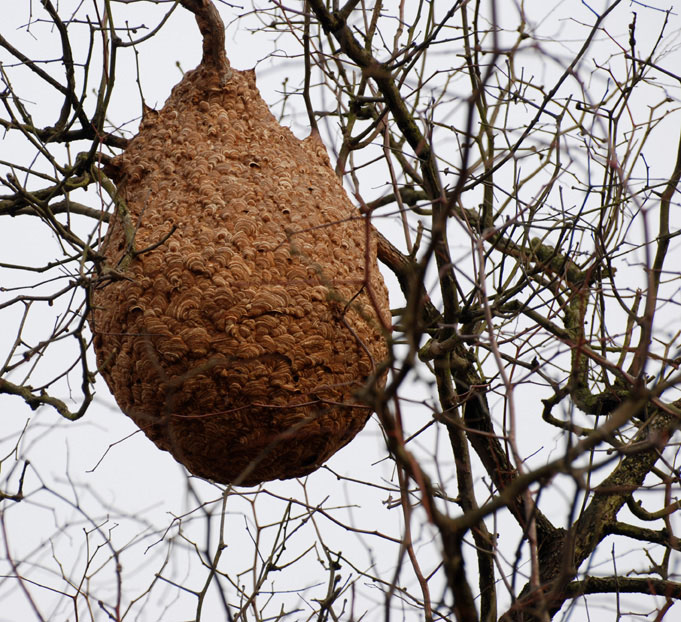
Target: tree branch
[{"x": 213, "y": 31}]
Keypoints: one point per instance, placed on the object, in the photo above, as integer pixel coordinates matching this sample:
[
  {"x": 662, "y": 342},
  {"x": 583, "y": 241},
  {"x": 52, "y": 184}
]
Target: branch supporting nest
[{"x": 213, "y": 32}]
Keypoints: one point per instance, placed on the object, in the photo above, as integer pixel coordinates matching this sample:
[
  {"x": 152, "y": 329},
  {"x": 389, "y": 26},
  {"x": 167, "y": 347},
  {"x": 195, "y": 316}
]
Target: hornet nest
[{"x": 247, "y": 308}]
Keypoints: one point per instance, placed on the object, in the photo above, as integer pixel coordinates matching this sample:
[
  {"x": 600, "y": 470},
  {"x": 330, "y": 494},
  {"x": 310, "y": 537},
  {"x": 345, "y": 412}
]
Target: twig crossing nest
[{"x": 251, "y": 309}]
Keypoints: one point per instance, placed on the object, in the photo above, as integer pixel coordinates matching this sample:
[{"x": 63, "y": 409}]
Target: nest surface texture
[{"x": 238, "y": 341}]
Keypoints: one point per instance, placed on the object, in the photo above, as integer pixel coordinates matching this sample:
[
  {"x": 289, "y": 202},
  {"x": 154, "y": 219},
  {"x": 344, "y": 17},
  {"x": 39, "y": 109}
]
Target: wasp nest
[{"x": 247, "y": 308}]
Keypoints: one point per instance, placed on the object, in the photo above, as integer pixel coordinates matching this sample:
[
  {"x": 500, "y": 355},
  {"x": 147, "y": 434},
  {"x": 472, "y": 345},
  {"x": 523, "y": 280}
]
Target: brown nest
[{"x": 247, "y": 309}]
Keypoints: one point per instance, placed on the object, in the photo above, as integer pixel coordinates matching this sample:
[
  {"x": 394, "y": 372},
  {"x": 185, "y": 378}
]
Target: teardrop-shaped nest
[{"x": 238, "y": 341}]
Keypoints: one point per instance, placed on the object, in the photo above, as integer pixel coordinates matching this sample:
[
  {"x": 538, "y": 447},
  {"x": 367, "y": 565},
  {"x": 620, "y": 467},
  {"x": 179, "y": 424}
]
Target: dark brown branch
[
  {"x": 623, "y": 585},
  {"x": 525, "y": 609},
  {"x": 65, "y": 207},
  {"x": 19, "y": 494},
  {"x": 404, "y": 269},
  {"x": 643, "y": 534},
  {"x": 613, "y": 492},
  {"x": 593, "y": 524},
  {"x": 213, "y": 32},
  {"x": 36, "y": 401}
]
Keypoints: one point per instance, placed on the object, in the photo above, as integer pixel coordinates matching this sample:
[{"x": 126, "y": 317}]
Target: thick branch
[
  {"x": 613, "y": 492},
  {"x": 621, "y": 585},
  {"x": 213, "y": 32},
  {"x": 643, "y": 534},
  {"x": 594, "y": 523},
  {"x": 404, "y": 269}
]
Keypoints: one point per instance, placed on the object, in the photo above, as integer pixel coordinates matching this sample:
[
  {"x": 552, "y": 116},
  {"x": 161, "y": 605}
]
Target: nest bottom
[{"x": 250, "y": 445}]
